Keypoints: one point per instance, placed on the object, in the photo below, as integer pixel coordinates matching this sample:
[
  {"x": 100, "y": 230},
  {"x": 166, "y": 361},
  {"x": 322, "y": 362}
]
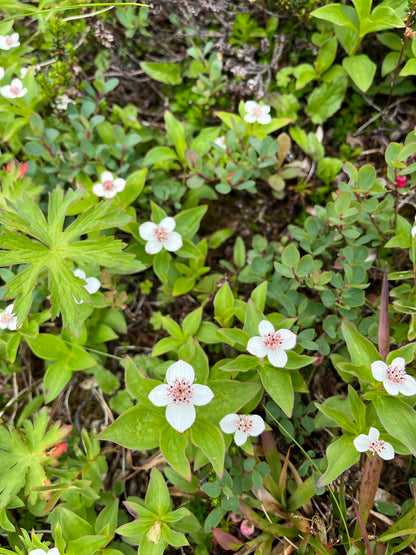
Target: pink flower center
[
  {"x": 245, "y": 425},
  {"x": 257, "y": 111},
  {"x": 14, "y": 89},
  {"x": 377, "y": 446},
  {"x": 6, "y": 317},
  {"x": 161, "y": 234},
  {"x": 181, "y": 391},
  {"x": 273, "y": 341},
  {"x": 396, "y": 374},
  {"x": 9, "y": 40},
  {"x": 108, "y": 185}
]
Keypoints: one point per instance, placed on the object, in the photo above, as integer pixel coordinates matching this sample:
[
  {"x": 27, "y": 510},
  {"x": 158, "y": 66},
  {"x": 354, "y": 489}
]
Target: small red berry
[{"x": 401, "y": 181}]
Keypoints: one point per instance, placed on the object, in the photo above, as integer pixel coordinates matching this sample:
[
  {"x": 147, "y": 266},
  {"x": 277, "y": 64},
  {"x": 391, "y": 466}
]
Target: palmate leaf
[
  {"x": 23, "y": 456},
  {"x": 47, "y": 247}
]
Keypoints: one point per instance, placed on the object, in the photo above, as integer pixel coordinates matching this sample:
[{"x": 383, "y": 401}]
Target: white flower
[
  {"x": 180, "y": 395},
  {"x": 220, "y": 141},
  {"x": 272, "y": 343},
  {"x": 242, "y": 426},
  {"x": 108, "y": 187},
  {"x": 373, "y": 444},
  {"x": 258, "y": 113},
  {"x": 14, "y": 90},
  {"x": 91, "y": 284},
  {"x": 160, "y": 236},
  {"x": 8, "y": 320},
  {"x": 62, "y": 102},
  {"x": 9, "y": 41},
  {"x": 394, "y": 377},
  {"x": 53, "y": 551},
  {"x": 1, "y": 72}
]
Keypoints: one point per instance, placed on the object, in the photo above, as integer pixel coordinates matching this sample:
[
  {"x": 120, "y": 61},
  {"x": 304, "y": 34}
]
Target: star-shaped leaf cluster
[
  {"x": 23, "y": 456},
  {"x": 49, "y": 246}
]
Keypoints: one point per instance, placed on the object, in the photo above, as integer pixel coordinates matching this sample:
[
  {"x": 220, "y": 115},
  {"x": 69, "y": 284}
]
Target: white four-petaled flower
[
  {"x": 255, "y": 112},
  {"x": 160, "y": 236},
  {"x": 108, "y": 187},
  {"x": 92, "y": 284},
  {"x": 53, "y": 551},
  {"x": 180, "y": 395},
  {"x": 272, "y": 343},
  {"x": 9, "y": 41},
  {"x": 220, "y": 141},
  {"x": 61, "y": 103},
  {"x": 14, "y": 90},
  {"x": 394, "y": 377},
  {"x": 373, "y": 444},
  {"x": 8, "y": 320},
  {"x": 242, "y": 426}
]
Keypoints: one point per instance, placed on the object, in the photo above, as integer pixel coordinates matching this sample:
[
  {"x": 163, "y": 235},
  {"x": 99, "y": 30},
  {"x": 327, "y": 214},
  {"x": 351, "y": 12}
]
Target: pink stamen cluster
[
  {"x": 9, "y": 40},
  {"x": 257, "y": 111},
  {"x": 161, "y": 234},
  {"x": 108, "y": 185},
  {"x": 396, "y": 374},
  {"x": 245, "y": 425},
  {"x": 181, "y": 391},
  {"x": 272, "y": 340},
  {"x": 14, "y": 90},
  {"x": 6, "y": 317},
  {"x": 376, "y": 446}
]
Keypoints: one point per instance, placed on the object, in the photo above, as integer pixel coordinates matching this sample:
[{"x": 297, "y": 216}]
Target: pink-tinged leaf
[{"x": 226, "y": 540}]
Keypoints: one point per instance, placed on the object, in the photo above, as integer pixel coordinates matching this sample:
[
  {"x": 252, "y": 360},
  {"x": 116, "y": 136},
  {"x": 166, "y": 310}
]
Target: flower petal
[
  {"x": 265, "y": 327},
  {"x": 229, "y": 423},
  {"x": 408, "y": 388},
  {"x": 250, "y": 105},
  {"x": 153, "y": 246},
  {"x": 147, "y": 231},
  {"x": 3, "y": 325},
  {"x": 13, "y": 324},
  {"x": 40, "y": 552},
  {"x": 256, "y": 347},
  {"x": 173, "y": 242},
  {"x": 288, "y": 339},
  {"x": 98, "y": 190},
  {"x": 9, "y": 308},
  {"x": 387, "y": 453},
  {"x": 277, "y": 358},
  {"x": 119, "y": 184},
  {"x": 3, "y": 43},
  {"x": 361, "y": 443},
  {"x": 240, "y": 437},
  {"x": 92, "y": 285},
  {"x": 391, "y": 387},
  {"x": 379, "y": 370},
  {"x": 399, "y": 363},
  {"x": 159, "y": 396},
  {"x": 180, "y": 370},
  {"x": 180, "y": 417},
  {"x": 80, "y": 274},
  {"x": 249, "y": 118},
  {"x": 168, "y": 223},
  {"x": 106, "y": 176},
  {"x": 264, "y": 119},
  {"x": 373, "y": 434},
  {"x": 258, "y": 425},
  {"x": 202, "y": 395}
]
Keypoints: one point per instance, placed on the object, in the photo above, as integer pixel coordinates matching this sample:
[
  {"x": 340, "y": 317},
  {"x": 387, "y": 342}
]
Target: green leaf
[
  {"x": 361, "y": 350},
  {"x": 341, "y": 455},
  {"x": 173, "y": 446},
  {"x": 163, "y": 72},
  {"x": 208, "y": 437},
  {"x": 177, "y": 539},
  {"x": 191, "y": 322},
  {"x": 242, "y": 363},
  {"x": 48, "y": 346},
  {"x": 278, "y": 384},
  {"x": 188, "y": 221},
  {"x": 259, "y": 294},
  {"x": 230, "y": 396},
  {"x": 158, "y": 155},
  {"x": 175, "y": 131},
  {"x": 399, "y": 420},
  {"x": 361, "y": 70},
  {"x": 335, "y": 14},
  {"x": 157, "y": 497},
  {"x": 326, "y": 99},
  {"x": 137, "y": 428},
  {"x": 57, "y": 376}
]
